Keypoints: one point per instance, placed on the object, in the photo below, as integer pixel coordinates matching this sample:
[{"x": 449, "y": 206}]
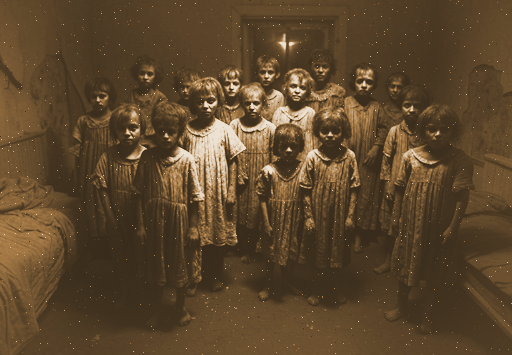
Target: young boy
[
  {"x": 230, "y": 78},
  {"x": 182, "y": 82},
  {"x": 267, "y": 72}
]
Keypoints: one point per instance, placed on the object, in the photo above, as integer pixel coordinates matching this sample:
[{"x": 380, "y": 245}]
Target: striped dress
[
  {"x": 258, "y": 141},
  {"x": 369, "y": 128},
  {"x": 332, "y": 95},
  {"x": 394, "y": 114},
  {"x": 146, "y": 104},
  {"x": 227, "y": 114},
  {"x": 274, "y": 100}
]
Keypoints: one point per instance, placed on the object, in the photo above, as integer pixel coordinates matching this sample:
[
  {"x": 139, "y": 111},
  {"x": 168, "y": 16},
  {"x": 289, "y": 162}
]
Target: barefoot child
[
  {"x": 231, "y": 79},
  {"x": 182, "y": 82},
  {"x": 395, "y": 83},
  {"x": 257, "y": 134},
  {"x": 297, "y": 86},
  {"x": 167, "y": 211},
  {"x": 432, "y": 192},
  {"x": 278, "y": 190},
  {"x": 113, "y": 178},
  {"x": 400, "y": 139},
  {"x": 216, "y": 148},
  {"x": 267, "y": 71},
  {"x": 329, "y": 184}
]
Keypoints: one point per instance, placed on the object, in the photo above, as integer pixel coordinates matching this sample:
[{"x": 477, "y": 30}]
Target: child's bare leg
[
  {"x": 339, "y": 296},
  {"x": 357, "y": 241},
  {"x": 218, "y": 268},
  {"x": 314, "y": 298},
  {"x": 265, "y": 293},
  {"x": 183, "y": 315},
  {"x": 401, "y": 310},
  {"x": 426, "y": 326},
  {"x": 388, "y": 248},
  {"x": 157, "y": 306},
  {"x": 288, "y": 278}
]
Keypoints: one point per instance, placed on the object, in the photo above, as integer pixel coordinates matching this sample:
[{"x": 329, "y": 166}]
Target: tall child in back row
[
  {"x": 182, "y": 82},
  {"x": 267, "y": 72},
  {"x": 231, "y": 79}
]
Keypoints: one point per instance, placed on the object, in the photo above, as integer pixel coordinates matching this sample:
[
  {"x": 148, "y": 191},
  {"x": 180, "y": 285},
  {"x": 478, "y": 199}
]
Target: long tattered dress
[
  {"x": 274, "y": 100},
  {"x": 94, "y": 138},
  {"x": 213, "y": 147},
  {"x": 303, "y": 119},
  {"x": 427, "y": 210},
  {"x": 330, "y": 182},
  {"x": 399, "y": 140},
  {"x": 258, "y": 142},
  {"x": 146, "y": 103},
  {"x": 167, "y": 187},
  {"x": 369, "y": 128},
  {"x": 284, "y": 212},
  {"x": 115, "y": 174},
  {"x": 227, "y": 114},
  {"x": 332, "y": 95}
]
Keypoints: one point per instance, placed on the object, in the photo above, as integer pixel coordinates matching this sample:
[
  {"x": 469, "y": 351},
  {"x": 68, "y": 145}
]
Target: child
[
  {"x": 400, "y": 139},
  {"x": 395, "y": 83},
  {"x": 432, "y": 192},
  {"x": 369, "y": 131},
  {"x": 267, "y": 72},
  {"x": 148, "y": 73},
  {"x": 182, "y": 82},
  {"x": 297, "y": 87},
  {"x": 256, "y": 133},
  {"x": 278, "y": 190},
  {"x": 167, "y": 211},
  {"x": 231, "y": 79},
  {"x": 329, "y": 183},
  {"x": 215, "y": 147},
  {"x": 92, "y": 135},
  {"x": 322, "y": 67},
  {"x": 113, "y": 178}
]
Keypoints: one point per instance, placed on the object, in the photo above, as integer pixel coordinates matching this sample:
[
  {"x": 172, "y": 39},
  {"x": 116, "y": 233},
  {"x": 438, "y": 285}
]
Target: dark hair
[
  {"x": 185, "y": 74},
  {"x": 443, "y": 113},
  {"x": 230, "y": 72},
  {"x": 288, "y": 132},
  {"x": 266, "y": 59},
  {"x": 303, "y": 75},
  {"x": 147, "y": 60},
  {"x": 404, "y": 78},
  {"x": 325, "y": 56},
  {"x": 123, "y": 113},
  {"x": 101, "y": 84},
  {"x": 416, "y": 93},
  {"x": 253, "y": 88},
  {"x": 335, "y": 115},
  {"x": 362, "y": 66},
  {"x": 205, "y": 86},
  {"x": 166, "y": 112}
]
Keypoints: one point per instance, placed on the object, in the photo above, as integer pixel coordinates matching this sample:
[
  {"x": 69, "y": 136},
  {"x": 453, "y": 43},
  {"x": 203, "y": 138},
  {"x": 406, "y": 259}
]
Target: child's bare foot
[
  {"x": 382, "y": 269},
  {"x": 183, "y": 317},
  {"x": 264, "y": 295},
  {"x": 217, "y": 286},
  {"x": 426, "y": 327},
  {"x": 357, "y": 245},
  {"x": 292, "y": 289},
  {"x": 394, "y": 314},
  {"x": 314, "y": 300},
  {"x": 153, "y": 321},
  {"x": 246, "y": 259},
  {"x": 191, "y": 290}
]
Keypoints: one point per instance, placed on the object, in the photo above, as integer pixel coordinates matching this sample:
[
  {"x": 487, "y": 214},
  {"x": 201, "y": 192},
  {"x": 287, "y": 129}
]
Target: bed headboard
[
  {"x": 498, "y": 176},
  {"x": 25, "y": 155}
]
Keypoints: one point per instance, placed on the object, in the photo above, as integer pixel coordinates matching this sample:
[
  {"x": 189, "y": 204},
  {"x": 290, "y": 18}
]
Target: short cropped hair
[
  {"x": 414, "y": 93},
  {"x": 404, "y": 78},
  {"x": 166, "y": 112},
  {"x": 147, "y": 60},
  {"x": 332, "y": 115},
  {"x": 266, "y": 59},
  {"x": 288, "y": 132},
  {"x": 185, "y": 74},
  {"x": 325, "y": 56},
  {"x": 443, "y": 113},
  {"x": 205, "y": 86},
  {"x": 362, "y": 66},
  {"x": 253, "y": 88},
  {"x": 101, "y": 84},
  {"x": 230, "y": 72},
  {"x": 303, "y": 76},
  {"x": 123, "y": 113}
]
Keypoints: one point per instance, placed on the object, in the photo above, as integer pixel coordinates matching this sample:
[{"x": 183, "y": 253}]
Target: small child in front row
[
  {"x": 297, "y": 87},
  {"x": 267, "y": 72},
  {"x": 216, "y": 149},
  {"x": 432, "y": 193},
  {"x": 231, "y": 79},
  {"x": 257, "y": 134},
  {"x": 113, "y": 178},
  {"x": 167, "y": 211},
  {"x": 182, "y": 82},
  {"x": 329, "y": 184},
  {"x": 281, "y": 209}
]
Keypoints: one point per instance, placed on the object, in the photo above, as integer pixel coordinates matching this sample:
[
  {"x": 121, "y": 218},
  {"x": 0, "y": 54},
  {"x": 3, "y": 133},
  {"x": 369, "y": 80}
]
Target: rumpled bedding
[{"x": 34, "y": 241}]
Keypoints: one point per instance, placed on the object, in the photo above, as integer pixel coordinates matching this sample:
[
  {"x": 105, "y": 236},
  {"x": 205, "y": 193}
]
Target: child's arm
[
  {"x": 397, "y": 208},
  {"x": 309, "y": 222},
  {"x": 109, "y": 213},
  {"x": 372, "y": 159},
  {"x": 264, "y": 214},
  {"x": 140, "y": 231},
  {"x": 193, "y": 218},
  {"x": 462, "y": 199},
  {"x": 350, "y": 222},
  {"x": 232, "y": 178}
]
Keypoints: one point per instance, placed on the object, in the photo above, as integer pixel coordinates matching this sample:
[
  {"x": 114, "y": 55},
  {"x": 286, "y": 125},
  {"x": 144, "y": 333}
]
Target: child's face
[
  {"x": 167, "y": 135},
  {"x": 411, "y": 110},
  {"x": 394, "y": 88},
  {"x": 364, "y": 82},
  {"x": 296, "y": 90},
  {"x": 205, "y": 106},
  {"x": 146, "y": 76},
  {"x": 330, "y": 135},
  {"x": 321, "y": 71},
  {"x": 183, "y": 89},
  {"x": 100, "y": 101},
  {"x": 288, "y": 150},
  {"x": 231, "y": 87},
  {"x": 252, "y": 105},
  {"x": 438, "y": 135},
  {"x": 267, "y": 75},
  {"x": 128, "y": 132}
]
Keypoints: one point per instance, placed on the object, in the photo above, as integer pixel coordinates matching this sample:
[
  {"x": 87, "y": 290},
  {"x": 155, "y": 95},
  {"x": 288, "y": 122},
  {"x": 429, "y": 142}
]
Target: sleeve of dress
[
  {"x": 272, "y": 132},
  {"x": 195, "y": 193},
  {"x": 100, "y": 178},
  {"x": 77, "y": 131},
  {"x": 234, "y": 145},
  {"x": 354, "y": 176},
  {"x": 307, "y": 175},
  {"x": 338, "y": 99},
  {"x": 388, "y": 153},
  {"x": 382, "y": 126},
  {"x": 463, "y": 177},
  {"x": 263, "y": 182},
  {"x": 405, "y": 169},
  {"x": 161, "y": 97},
  {"x": 138, "y": 180}
]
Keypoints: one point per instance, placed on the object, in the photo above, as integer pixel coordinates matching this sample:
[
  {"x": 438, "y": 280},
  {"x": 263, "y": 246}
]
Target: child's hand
[
  {"x": 140, "y": 235},
  {"x": 448, "y": 235},
  {"x": 389, "y": 191},
  {"x": 193, "y": 237},
  {"x": 231, "y": 198},
  {"x": 310, "y": 226},
  {"x": 372, "y": 159},
  {"x": 350, "y": 224},
  {"x": 267, "y": 228}
]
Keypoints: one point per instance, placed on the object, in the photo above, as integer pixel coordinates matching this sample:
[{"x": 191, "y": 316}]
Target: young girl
[
  {"x": 231, "y": 79},
  {"x": 148, "y": 73},
  {"x": 369, "y": 130},
  {"x": 215, "y": 147},
  {"x": 432, "y": 192},
  {"x": 322, "y": 66},
  {"x": 256, "y": 134},
  {"x": 278, "y": 190},
  {"x": 92, "y": 135},
  {"x": 182, "y": 82},
  {"x": 169, "y": 192},
  {"x": 267, "y": 72},
  {"x": 400, "y": 139},
  {"x": 395, "y": 83},
  {"x": 113, "y": 178},
  {"x": 297, "y": 87},
  {"x": 329, "y": 183}
]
